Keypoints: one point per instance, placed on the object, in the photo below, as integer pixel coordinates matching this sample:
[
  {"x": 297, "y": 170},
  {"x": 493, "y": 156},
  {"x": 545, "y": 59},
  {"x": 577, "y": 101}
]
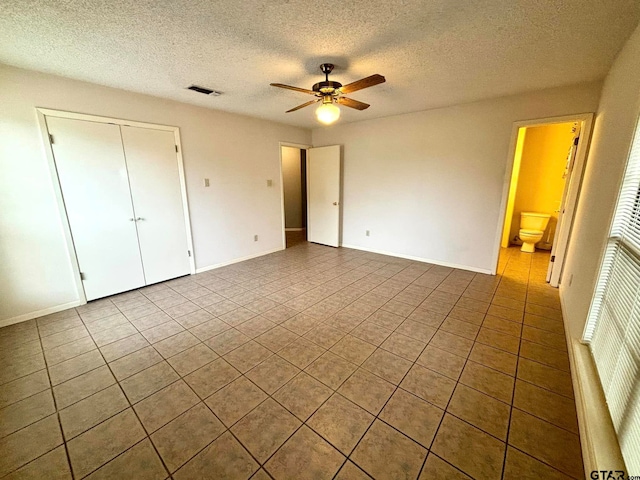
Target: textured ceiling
[{"x": 432, "y": 52}]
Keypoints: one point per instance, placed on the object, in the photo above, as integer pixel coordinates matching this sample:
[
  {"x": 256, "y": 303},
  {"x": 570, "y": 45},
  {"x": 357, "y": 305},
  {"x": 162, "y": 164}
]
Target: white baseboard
[
  {"x": 294, "y": 229},
  {"x": 600, "y": 449},
  {"x": 39, "y": 313},
  {"x": 237, "y": 260},
  {"x": 420, "y": 259}
]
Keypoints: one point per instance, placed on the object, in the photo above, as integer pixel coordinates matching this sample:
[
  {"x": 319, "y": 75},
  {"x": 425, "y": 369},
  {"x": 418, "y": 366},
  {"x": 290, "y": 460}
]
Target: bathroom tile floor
[{"x": 312, "y": 362}]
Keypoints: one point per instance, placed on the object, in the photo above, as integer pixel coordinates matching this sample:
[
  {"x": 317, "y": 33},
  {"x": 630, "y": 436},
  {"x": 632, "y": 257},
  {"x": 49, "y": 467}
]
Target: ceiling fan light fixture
[
  {"x": 328, "y": 113},
  {"x": 331, "y": 93}
]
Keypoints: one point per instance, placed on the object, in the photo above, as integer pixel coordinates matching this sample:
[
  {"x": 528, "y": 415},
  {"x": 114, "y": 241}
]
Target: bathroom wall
[
  {"x": 540, "y": 182},
  {"x": 513, "y": 187}
]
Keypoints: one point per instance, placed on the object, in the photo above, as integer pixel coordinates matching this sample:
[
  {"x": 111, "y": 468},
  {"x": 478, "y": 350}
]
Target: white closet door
[
  {"x": 93, "y": 176},
  {"x": 157, "y": 197},
  {"x": 323, "y": 190}
]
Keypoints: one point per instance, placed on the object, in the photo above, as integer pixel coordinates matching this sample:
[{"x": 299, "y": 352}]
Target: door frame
[
  {"x": 573, "y": 193},
  {"x": 301, "y": 146},
  {"x": 42, "y": 114}
]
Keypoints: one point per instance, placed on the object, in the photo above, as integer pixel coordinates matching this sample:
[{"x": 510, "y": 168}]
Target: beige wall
[
  {"x": 429, "y": 185},
  {"x": 237, "y": 153},
  {"x": 540, "y": 182},
  {"x": 612, "y": 135},
  {"x": 292, "y": 185}
]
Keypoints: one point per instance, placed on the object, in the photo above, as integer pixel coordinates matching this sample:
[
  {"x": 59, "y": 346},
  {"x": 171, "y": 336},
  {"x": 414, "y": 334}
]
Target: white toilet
[{"x": 532, "y": 226}]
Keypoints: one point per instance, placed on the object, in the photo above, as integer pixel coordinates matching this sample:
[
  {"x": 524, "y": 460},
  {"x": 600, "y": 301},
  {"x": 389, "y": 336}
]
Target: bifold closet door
[
  {"x": 154, "y": 178},
  {"x": 93, "y": 177}
]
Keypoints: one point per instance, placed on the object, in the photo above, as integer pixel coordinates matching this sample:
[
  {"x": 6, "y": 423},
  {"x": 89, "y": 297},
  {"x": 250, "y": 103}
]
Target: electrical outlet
[
  {"x": 368, "y": 233},
  {"x": 255, "y": 238},
  {"x": 269, "y": 183},
  {"x": 206, "y": 182}
]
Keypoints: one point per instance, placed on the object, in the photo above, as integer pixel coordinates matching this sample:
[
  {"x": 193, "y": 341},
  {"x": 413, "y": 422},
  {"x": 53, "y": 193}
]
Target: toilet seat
[{"x": 532, "y": 232}]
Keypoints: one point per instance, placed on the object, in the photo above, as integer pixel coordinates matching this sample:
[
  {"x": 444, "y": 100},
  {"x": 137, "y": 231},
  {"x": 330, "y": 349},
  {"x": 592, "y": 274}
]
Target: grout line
[
  {"x": 57, "y": 412},
  {"x": 29, "y": 396},
  {"x": 513, "y": 393},
  {"x": 55, "y": 406},
  {"x": 445, "y": 410},
  {"x": 139, "y": 421}
]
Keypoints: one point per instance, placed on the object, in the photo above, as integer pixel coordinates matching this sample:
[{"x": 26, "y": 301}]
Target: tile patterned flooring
[
  {"x": 308, "y": 363},
  {"x": 295, "y": 238}
]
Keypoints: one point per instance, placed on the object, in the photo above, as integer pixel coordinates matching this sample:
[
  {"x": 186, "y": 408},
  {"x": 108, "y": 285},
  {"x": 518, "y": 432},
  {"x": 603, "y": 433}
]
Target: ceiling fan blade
[
  {"x": 303, "y": 105},
  {"x": 363, "y": 83},
  {"x": 349, "y": 102},
  {"x": 297, "y": 89}
]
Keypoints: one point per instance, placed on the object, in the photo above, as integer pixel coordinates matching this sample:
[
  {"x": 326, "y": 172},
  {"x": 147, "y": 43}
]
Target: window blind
[{"x": 613, "y": 326}]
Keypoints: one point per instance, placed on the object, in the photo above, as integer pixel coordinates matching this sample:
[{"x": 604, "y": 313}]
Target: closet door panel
[
  {"x": 152, "y": 163},
  {"x": 93, "y": 176}
]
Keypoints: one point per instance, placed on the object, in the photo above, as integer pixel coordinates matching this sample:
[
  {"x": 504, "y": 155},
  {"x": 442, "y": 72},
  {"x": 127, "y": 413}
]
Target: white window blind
[{"x": 613, "y": 326}]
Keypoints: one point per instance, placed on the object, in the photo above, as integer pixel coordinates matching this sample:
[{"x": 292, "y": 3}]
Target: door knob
[
  {"x": 132, "y": 219},
  {"x": 139, "y": 218},
  {"x": 335, "y": 203}
]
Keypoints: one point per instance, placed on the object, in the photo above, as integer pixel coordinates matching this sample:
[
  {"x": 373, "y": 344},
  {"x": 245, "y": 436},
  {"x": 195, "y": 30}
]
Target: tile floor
[
  {"x": 309, "y": 363},
  {"x": 295, "y": 238}
]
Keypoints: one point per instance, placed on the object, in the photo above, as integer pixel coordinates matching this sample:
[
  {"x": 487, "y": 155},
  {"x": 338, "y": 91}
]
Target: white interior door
[
  {"x": 157, "y": 198},
  {"x": 323, "y": 191},
  {"x": 93, "y": 177},
  {"x": 567, "y": 212},
  {"x": 560, "y": 211}
]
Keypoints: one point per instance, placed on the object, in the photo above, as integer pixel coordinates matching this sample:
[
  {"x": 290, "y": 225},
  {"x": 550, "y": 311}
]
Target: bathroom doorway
[
  {"x": 542, "y": 187},
  {"x": 293, "y": 160}
]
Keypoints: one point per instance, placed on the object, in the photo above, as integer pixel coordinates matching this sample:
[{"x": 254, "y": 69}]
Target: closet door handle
[
  {"x": 132, "y": 219},
  {"x": 139, "y": 218}
]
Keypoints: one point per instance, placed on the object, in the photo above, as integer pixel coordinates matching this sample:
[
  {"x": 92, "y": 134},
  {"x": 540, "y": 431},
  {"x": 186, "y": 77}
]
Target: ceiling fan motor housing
[{"x": 328, "y": 87}]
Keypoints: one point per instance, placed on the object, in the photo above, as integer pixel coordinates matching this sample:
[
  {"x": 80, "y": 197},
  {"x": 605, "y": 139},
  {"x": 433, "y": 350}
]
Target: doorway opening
[
  {"x": 294, "y": 190},
  {"x": 542, "y": 187}
]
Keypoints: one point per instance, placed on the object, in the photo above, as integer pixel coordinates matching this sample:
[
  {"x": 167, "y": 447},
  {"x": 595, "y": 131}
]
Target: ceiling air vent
[{"x": 206, "y": 91}]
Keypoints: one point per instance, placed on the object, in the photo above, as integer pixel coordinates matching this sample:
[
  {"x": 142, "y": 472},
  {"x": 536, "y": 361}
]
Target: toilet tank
[{"x": 534, "y": 221}]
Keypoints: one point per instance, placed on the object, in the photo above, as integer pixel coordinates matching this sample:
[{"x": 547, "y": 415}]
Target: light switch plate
[{"x": 269, "y": 183}]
